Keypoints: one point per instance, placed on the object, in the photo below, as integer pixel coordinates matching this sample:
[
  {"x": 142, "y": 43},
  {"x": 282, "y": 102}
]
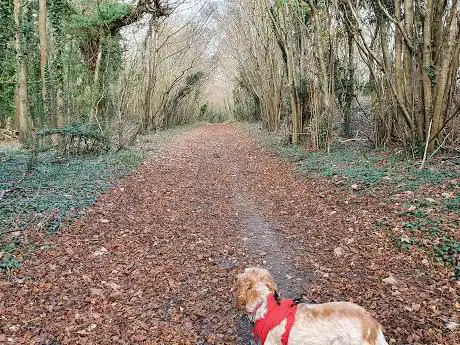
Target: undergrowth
[
  {"x": 59, "y": 189},
  {"x": 363, "y": 166},
  {"x": 55, "y": 192},
  {"x": 373, "y": 168},
  {"x": 432, "y": 226}
]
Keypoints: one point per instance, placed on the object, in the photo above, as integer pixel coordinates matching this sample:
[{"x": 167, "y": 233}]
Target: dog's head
[{"x": 252, "y": 287}]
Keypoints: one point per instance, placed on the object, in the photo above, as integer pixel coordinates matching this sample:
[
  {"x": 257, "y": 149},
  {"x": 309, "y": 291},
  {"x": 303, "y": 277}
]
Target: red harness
[{"x": 276, "y": 313}]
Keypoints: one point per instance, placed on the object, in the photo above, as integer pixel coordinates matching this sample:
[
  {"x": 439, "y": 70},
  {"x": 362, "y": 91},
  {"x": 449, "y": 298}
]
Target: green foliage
[
  {"x": 286, "y": 150},
  {"x": 416, "y": 177},
  {"x": 448, "y": 252},
  {"x": 366, "y": 174},
  {"x": 75, "y": 130},
  {"x": 372, "y": 168},
  {"x": 416, "y": 225},
  {"x": 348, "y": 163},
  {"x": 304, "y": 87},
  {"x": 215, "y": 115},
  {"x": 31, "y": 54},
  {"x": 89, "y": 25},
  {"x": 246, "y": 103},
  {"x": 58, "y": 11},
  {"x": 9, "y": 262},
  {"x": 7, "y": 60},
  {"x": 432, "y": 74},
  {"x": 7, "y": 25},
  {"x": 405, "y": 243},
  {"x": 203, "y": 111},
  {"x": 57, "y": 191},
  {"x": 452, "y": 204},
  {"x": 73, "y": 139},
  {"x": 437, "y": 236},
  {"x": 191, "y": 81},
  {"x": 416, "y": 213}
]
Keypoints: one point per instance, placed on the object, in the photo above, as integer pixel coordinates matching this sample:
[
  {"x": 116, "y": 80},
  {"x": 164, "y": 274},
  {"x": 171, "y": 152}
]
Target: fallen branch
[
  {"x": 426, "y": 145},
  {"x": 440, "y": 146},
  {"x": 342, "y": 141}
]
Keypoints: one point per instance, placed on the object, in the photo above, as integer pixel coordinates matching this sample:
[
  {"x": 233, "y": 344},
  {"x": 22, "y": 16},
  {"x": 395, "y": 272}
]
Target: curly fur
[{"x": 336, "y": 323}]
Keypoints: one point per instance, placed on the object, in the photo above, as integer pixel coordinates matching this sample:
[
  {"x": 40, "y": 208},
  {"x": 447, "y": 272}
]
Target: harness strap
[
  {"x": 277, "y": 311},
  {"x": 289, "y": 323}
]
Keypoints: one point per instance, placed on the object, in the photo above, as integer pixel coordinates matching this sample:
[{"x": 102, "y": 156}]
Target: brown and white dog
[{"x": 288, "y": 323}]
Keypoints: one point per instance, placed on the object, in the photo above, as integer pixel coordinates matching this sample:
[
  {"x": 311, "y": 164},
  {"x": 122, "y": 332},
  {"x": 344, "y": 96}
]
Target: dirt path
[{"x": 154, "y": 261}]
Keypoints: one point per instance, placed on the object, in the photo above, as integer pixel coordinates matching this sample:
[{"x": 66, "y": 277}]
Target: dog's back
[{"x": 336, "y": 323}]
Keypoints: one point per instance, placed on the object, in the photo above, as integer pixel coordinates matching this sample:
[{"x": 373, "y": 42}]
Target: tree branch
[
  {"x": 154, "y": 7},
  {"x": 407, "y": 40}
]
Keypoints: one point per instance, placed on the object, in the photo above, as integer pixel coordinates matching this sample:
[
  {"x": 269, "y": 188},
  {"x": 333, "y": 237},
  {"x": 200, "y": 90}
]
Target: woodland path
[{"x": 155, "y": 259}]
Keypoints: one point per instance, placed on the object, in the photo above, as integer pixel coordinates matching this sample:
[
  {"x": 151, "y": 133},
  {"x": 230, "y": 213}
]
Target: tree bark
[
  {"x": 444, "y": 74},
  {"x": 21, "y": 99},
  {"x": 43, "y": 40},
  {"x": 350, "y": 87},
  {"x": 427, "y": 64}
]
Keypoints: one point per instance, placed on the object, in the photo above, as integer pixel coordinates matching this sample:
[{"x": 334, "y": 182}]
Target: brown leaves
[{"x": 154, "y": 261}]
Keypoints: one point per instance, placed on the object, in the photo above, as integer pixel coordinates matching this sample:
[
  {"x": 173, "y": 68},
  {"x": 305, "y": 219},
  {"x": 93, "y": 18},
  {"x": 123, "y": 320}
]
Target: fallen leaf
[
  {"x": 100, "y": 252},
  {"x": 390, "y": 280},
  {"x": 97, "y": 292},
  {"x": 338, "y": 251},
  {"x": 452, "y": 325}
]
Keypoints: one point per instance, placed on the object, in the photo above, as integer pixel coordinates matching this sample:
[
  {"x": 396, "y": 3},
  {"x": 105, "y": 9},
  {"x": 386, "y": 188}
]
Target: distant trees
[
  {"x": 315, "y": 68},
  {"x": 66, "y": 62},
  {"x": 311, "y": 59}
]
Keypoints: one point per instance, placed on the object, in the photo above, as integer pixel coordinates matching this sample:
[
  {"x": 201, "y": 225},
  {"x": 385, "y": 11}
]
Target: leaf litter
[{"x": 155, "y": 259}]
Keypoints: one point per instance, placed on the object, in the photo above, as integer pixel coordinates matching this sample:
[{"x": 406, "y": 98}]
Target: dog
[{"x": 288, "y": 322}]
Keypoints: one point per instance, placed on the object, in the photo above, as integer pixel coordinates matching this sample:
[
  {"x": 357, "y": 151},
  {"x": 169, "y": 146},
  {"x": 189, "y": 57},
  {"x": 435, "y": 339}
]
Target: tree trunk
[
  {"x": 22, "y": 106},
  {"x": 399, "y": 72},
  {"x": 443, "y": 77},
  {"x": 43, "y": 39},
  {"x": 409, "y": 80},
  {"x": 427, "y": 69},
  {"x": 96, "y": 88},
  {"x": 322, "y": 71},
  {"x": 350, "y": 87}
]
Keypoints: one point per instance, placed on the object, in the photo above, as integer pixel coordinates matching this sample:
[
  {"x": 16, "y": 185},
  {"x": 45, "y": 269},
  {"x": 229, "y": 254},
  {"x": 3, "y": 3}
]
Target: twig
[
  {"x": 13, "y": 188},
  {"x": 360, "y": 106},
  {"x": 3, "y": 192},
  {"x": 353, "y": 139},
  {"x": 440, "y": 146},
  {"x": 426, "y": 145},
  {"x": 3, "y": 233},
  {"x": 453, "y": 148}
]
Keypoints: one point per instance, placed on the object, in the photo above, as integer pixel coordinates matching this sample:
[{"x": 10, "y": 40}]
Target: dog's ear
[
  {"x": 268, "y": 280},
  {"x": 243, "y": 285}
]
